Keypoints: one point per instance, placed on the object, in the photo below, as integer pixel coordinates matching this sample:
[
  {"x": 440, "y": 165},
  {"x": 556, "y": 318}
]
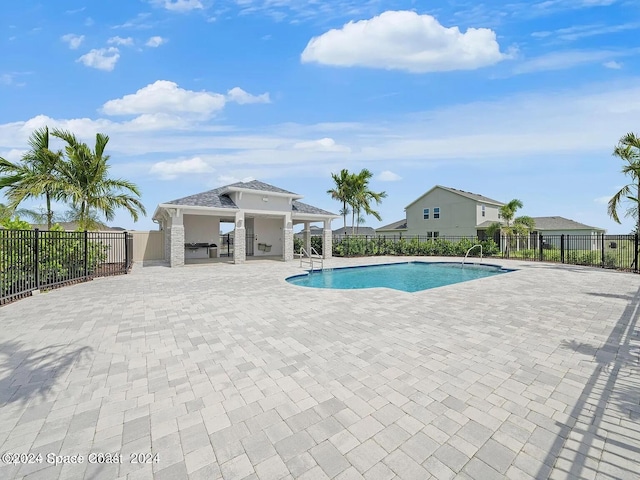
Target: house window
[
  {"x": 425, "y": 214},
  {"x": 436, "y": 212},
  {"x": 436, "y": 234},
  {"x": 433, "y": 234},
  {"x": 499, "y": 215},
  {"x": 483, "y": 210}
]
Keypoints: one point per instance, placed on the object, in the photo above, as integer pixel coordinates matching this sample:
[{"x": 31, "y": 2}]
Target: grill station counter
[{"x": 200, "y": 250}]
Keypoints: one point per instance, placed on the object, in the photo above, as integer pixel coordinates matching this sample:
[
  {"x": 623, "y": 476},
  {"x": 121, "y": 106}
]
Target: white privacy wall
[
  {"x": 201, "y": 229},
  {"x": 269, "y": 231}
]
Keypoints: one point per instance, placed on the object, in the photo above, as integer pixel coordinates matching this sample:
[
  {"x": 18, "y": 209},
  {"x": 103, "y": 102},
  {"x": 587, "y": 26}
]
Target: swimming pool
[{"x": 408, "y": 276}]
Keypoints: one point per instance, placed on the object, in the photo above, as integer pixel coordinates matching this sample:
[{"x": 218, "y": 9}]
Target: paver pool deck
[{"x": 227, "y": 371}]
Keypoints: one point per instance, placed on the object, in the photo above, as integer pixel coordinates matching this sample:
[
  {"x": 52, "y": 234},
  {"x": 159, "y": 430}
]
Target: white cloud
[
  {"x": 546, "y": 125},
  {"x": 238, "y": 95},
  {"x": 167, "y": 98},
  {"x": 164, "y": 96},
  {"x": 404, "y": 40},
  {"x": 10, "y": 79},
  {"x": 13, "y": 155},
  {"x": 602, "y": 200},
  {"x": 101, "y": 58},
  {"x": 74, "y": 41},
  {"x": 139, "y": 22},
  {"x": 613, "y": 65},
  {"x": 181, "y": 6},
  {"x": 168, "y": 170},
  {"x": 321, "y": 145},
  {"x": 155, "y": 41},
  {"x": 228, "y": 179},
  {"x": 127, "y": 42},
  {"x": 576, "y": 32},
  {"x": 388, "y": 176},
  {"x": 566, "y": 59}
]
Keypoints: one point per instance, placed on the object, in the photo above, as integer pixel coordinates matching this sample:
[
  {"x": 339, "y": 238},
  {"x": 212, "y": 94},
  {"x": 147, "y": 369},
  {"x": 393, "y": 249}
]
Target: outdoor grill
[
  {"x": 201, "y": 249},
  {"x": 195, "y": 246}
]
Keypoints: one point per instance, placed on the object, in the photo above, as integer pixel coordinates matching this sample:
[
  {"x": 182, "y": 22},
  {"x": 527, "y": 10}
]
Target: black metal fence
[
  {"x": 607, "y": 251},
  {"x": 34, "y": 259}
]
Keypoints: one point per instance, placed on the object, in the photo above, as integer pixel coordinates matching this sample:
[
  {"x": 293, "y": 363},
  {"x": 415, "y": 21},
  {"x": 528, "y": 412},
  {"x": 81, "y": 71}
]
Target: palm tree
[
  {"x": 89, "y": 188},
  {"x": 362, "y": 196},
  {"x": 628, "y": 149},
  {"x": 342, "y": 191},
  {"x": 520, "y": 226},
  {"x": 35, "y": 176}
]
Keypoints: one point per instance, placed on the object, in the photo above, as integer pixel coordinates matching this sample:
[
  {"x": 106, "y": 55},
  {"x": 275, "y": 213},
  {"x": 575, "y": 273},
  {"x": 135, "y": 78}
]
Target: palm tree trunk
[
  {"x": 49, "y": 212},
  {"x": 344, "y": 215},
  {"x": 353, "y": 217}
]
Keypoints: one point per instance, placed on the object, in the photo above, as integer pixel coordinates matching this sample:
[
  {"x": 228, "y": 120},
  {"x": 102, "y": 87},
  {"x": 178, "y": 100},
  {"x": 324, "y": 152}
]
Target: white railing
[
  {"x": 310, "y": 256},
  {"x": 467, "y": 254}
]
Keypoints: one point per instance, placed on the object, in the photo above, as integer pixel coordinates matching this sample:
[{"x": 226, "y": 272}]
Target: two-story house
[{"x": 446, "y": 212}]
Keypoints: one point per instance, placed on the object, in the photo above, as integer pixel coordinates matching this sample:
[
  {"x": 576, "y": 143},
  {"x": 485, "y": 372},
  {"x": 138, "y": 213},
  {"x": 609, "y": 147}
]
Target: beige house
[
  {"x": 445, "y": 212},
  {"x": 448, "y": 212},
  {"x": 263, "y": 217}
]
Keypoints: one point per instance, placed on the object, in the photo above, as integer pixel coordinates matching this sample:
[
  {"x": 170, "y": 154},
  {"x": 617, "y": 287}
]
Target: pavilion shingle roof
[
  {"x": 297, "y": 206},
  {"x": 212, "y": 198},
  {"x": 216, "y": 198}
]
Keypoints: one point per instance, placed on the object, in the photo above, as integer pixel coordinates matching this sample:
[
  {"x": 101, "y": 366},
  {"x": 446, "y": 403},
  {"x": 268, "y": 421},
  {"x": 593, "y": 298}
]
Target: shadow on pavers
[
  {"x": 33, "y": 372},
  {"x": 615, "y": 383}
]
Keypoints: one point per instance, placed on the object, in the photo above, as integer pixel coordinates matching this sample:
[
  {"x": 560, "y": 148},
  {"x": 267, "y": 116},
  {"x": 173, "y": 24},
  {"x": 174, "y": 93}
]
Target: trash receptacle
[{"x": 213, "y": 251}]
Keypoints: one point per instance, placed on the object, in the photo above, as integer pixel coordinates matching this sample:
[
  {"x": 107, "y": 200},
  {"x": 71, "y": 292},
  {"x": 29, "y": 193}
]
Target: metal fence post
[
  {"x": 126, "y": 252},
  {"x": 36, "y": 259},
  {"x": 635, "y": 256},
  {"x": 540, "y": 240},
  {"x": 562, "y": 248},
  {"x": 86, "y": 259},
  {"x": 602, "y": 250}
]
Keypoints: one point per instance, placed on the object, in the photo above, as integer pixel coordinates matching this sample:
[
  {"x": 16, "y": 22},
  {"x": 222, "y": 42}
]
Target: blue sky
[{"x": 507, "y": 99}]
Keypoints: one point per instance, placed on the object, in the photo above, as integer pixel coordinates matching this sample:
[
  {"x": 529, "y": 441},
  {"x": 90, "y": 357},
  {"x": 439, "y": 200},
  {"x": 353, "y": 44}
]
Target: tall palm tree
[
  {"x": 89, "y": 187},
  {"x": 628, "y": 149},
  {"x": 36, "y": 175},
  {"x": 342, "y": 191},
  {"x": 521, "y": 225},
  {"x": 362, "y": 197}
]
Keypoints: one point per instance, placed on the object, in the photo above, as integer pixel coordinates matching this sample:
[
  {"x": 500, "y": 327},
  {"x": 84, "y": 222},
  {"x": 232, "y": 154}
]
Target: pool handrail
[{"x": 467, "y": 254}]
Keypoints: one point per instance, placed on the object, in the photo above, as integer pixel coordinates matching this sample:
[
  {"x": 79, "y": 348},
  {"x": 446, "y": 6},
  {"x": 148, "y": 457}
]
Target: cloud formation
[
  {"x": 169, "y": 170},
  {"x": 180, "y": 6},
  {"x": 155, "y": 41},
  {"x": 127, "y": 42},
  {"x": 167, "y": 98},
  {"x": 241, "y": 97},
  {"x": 74, "y": 41},
  {"x": 388, "y": 176},
  {"x": 101, "y": 58},
  {"x": 404, "y": 40}
]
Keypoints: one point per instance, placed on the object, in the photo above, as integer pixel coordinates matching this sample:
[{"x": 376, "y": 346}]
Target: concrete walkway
[{"x": 227, "y": 371}]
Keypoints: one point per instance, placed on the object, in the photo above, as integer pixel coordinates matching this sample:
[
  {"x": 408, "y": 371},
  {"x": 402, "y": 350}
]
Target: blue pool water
[{"x": 408, "y": 277}]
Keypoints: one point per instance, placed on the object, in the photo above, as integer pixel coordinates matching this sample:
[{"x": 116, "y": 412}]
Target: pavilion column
[
  {"x": 176, "y": 239},
  {"x": 287, "y": 238},
  {"x": 327, "y": 240},
  {"x": 306, "y": 237},
  {"x": 239, "y": 239}
]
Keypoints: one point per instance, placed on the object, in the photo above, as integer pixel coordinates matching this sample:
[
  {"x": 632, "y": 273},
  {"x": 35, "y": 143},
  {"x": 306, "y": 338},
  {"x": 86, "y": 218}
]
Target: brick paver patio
[{"x": 226, "y": 371}]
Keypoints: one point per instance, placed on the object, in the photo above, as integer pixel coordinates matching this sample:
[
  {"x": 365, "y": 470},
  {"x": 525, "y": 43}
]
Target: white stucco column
[
  {"x": 176, "y": 239},
  {"x": 327, "y": 240},
  {"x": 239, "y": 240},
  {"x": 306, "y": 237},
  {"x": 287, "y": 238}
]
